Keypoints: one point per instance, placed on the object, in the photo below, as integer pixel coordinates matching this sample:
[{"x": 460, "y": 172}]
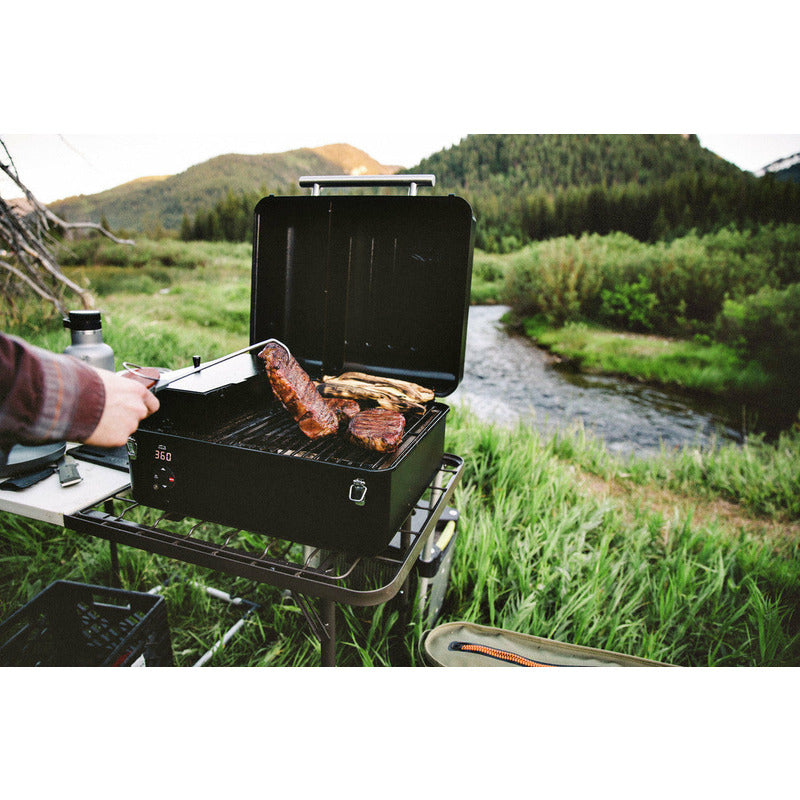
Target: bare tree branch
[
  {"x": 87, "y": 225},
  {"x": 25, "y": 242},
  {"x": 27, "y": 237},
  {"x": 25, "y": 279}
]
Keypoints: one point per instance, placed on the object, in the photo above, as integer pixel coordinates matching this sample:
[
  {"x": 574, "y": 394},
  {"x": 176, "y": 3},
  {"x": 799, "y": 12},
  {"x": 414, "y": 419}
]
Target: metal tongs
[{"x": 157, "y": 384}]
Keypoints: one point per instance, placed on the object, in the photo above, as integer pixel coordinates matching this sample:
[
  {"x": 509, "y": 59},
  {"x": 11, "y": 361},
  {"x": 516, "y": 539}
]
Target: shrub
[
  {"x": 559, "y": 278},
  {"x": 630, "y": 305},
  {"x": 78, "y": 252},
  {"x": 766, "y": 326},
  {"x": 488, "y": 274},
  {"x": 104, "y": 281},
  {"x": 690, "y": 277}
]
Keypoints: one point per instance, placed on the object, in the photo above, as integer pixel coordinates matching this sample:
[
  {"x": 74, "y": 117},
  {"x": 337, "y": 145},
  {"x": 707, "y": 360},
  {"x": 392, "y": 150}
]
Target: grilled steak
[
  {"x": 377, "y": 429},
  {"x": 344, "y": 409},
  {"x": 294, "y": 388}
]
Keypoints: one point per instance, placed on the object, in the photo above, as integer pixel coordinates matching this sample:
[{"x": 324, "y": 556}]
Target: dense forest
[
  {"x": 527, "y": 188},
  {"x": 651, "y": 186},
  {"x": 228, "y": 220},
  {"x": 661, "y": 211},
  {"x": 518, "y": 163}
]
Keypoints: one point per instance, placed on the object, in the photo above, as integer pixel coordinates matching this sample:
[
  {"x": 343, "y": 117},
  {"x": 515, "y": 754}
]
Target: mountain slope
[
  {"x": 551, "y": 161},
  {"x": 522, "y": 187},
  {"x": 148, "y": 202},
  {"x": 528, "y": 187}
]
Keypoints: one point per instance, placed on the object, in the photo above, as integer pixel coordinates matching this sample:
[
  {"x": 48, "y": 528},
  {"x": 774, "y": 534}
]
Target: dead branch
[
  {"x": 27, "y": 237},
  {"x": 25, "y": 279}
]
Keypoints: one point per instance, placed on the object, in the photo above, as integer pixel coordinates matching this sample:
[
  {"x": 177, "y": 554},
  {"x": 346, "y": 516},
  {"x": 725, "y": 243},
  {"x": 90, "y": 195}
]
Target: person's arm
[{"x": 46, "y": 397}]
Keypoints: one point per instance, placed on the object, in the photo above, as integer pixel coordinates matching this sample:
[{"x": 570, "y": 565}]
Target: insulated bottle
[{"x": 87, "y": 339}]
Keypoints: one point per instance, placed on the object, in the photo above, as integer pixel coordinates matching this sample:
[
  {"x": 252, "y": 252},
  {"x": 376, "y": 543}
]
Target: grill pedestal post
[
  {"x": 323, "y": 625},
  {"x": 328, "y": 641},
  {"x": 116, "y": 582}
]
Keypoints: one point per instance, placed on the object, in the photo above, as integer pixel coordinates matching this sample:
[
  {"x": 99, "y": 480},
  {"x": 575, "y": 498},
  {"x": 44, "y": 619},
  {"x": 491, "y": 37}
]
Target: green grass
[
  {"x": 762, "y": 478},
  {"x": 181, "y": 299},
  {"x": 488, "y": 276},
  {"x": 706, "y": 367},
  {"x": 537, "y": 552}
]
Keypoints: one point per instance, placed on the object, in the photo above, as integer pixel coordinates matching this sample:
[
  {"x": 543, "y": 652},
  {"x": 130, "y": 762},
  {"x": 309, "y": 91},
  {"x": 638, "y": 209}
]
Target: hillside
[
  {"x": 529, "y": 187},
  {"x": 553, "y": 161},
  {"x": 148, "y": 202},
  {"x": 791, "y": 174},
  {"x": 523, "y": 187}
]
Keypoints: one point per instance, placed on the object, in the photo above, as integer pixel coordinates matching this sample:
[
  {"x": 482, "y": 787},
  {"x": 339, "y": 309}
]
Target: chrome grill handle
[{"x": 317, "y": 182}]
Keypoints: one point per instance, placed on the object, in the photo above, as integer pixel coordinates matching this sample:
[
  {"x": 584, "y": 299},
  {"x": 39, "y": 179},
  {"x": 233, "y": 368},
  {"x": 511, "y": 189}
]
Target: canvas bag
[{"x": 465, "y": 644}]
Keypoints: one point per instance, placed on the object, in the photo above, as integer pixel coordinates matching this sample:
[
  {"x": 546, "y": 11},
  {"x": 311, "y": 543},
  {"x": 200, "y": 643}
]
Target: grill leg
[
  {"x": 402, "y": 603},
  {"x": 108, "y": 506},
  {"x": 115, "y": 579},
  {"x": 427, "y": 549},
  {"x": 323, "y": 625},
  {"x": 406, "y": 534},
  {"x": 328, "y": 641}
]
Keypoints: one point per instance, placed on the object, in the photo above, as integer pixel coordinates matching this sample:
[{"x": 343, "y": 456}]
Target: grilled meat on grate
[
  {"x": 379, "y": 429},
  {"x": 344, "y": 409},
  {"x": 297, "y": 393}
]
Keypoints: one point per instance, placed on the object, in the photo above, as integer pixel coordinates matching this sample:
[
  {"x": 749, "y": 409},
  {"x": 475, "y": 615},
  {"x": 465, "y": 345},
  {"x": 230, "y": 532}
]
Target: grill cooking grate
[{"x": 276, "y": 432}]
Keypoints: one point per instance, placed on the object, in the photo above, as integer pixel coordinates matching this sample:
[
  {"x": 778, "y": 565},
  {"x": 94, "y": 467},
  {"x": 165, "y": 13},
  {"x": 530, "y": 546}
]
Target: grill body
[
  {"x": 234, "y": 456},
  {"x": 349, "y": 283}
]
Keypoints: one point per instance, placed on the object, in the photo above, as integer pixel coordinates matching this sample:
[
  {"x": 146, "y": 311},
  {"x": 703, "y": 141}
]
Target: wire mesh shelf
[{"x": 326, "y": 574}]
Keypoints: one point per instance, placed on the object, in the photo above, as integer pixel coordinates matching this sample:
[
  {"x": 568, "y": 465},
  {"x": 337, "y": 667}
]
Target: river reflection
[{"x": 506, "y": 379}]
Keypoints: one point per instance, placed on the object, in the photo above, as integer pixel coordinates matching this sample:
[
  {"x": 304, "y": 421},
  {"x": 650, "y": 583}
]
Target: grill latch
[{"x": 358, "y": 492}]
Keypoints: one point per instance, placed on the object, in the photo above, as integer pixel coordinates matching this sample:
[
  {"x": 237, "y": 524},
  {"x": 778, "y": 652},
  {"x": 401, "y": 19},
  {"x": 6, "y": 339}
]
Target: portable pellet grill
[{"x": 373, "y": 283}]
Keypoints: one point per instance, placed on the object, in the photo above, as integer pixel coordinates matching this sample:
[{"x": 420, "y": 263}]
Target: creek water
[{"x": 507, "y": 380}]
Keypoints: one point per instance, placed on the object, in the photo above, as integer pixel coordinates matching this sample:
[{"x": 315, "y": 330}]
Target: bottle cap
[{"x": 83, "y": 321}]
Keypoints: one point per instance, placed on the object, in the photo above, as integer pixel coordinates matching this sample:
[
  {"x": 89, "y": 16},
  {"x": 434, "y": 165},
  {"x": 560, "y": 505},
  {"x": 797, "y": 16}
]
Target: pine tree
[{"x": 186, "y": 229}]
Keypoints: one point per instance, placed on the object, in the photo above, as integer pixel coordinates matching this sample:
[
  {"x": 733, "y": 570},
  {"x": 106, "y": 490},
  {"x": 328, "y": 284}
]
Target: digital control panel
[{"x": 163, "y": 477}]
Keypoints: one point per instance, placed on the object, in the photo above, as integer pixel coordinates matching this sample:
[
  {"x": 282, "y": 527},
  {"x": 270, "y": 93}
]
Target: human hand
[{"x": 127, "y": 403}]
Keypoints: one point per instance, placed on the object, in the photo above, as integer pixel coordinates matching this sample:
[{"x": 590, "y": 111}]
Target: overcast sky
[{"x": 54, "y": 166}]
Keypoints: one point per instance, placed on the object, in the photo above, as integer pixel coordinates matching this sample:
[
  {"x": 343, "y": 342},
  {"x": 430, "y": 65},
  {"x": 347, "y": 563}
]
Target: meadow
[{"x": 689, "y": 558}]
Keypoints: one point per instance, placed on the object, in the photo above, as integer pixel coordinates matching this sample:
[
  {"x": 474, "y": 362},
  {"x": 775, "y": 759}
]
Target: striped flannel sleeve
[{"x": 46, "y": 397}]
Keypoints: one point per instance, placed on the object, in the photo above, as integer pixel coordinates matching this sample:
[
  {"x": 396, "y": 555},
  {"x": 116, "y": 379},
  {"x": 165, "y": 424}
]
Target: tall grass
[
  {"x": 761, "y": 477},
  {"x": 539, "y": 554}
]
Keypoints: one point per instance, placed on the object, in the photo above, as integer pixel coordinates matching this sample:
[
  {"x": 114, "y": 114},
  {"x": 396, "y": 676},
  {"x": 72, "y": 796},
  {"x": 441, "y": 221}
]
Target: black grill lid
[{"x": 370, "y": 283}]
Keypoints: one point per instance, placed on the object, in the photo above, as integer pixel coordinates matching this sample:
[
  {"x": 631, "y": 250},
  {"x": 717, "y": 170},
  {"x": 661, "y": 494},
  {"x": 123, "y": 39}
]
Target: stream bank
[{"x": 508, "y": 380}]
